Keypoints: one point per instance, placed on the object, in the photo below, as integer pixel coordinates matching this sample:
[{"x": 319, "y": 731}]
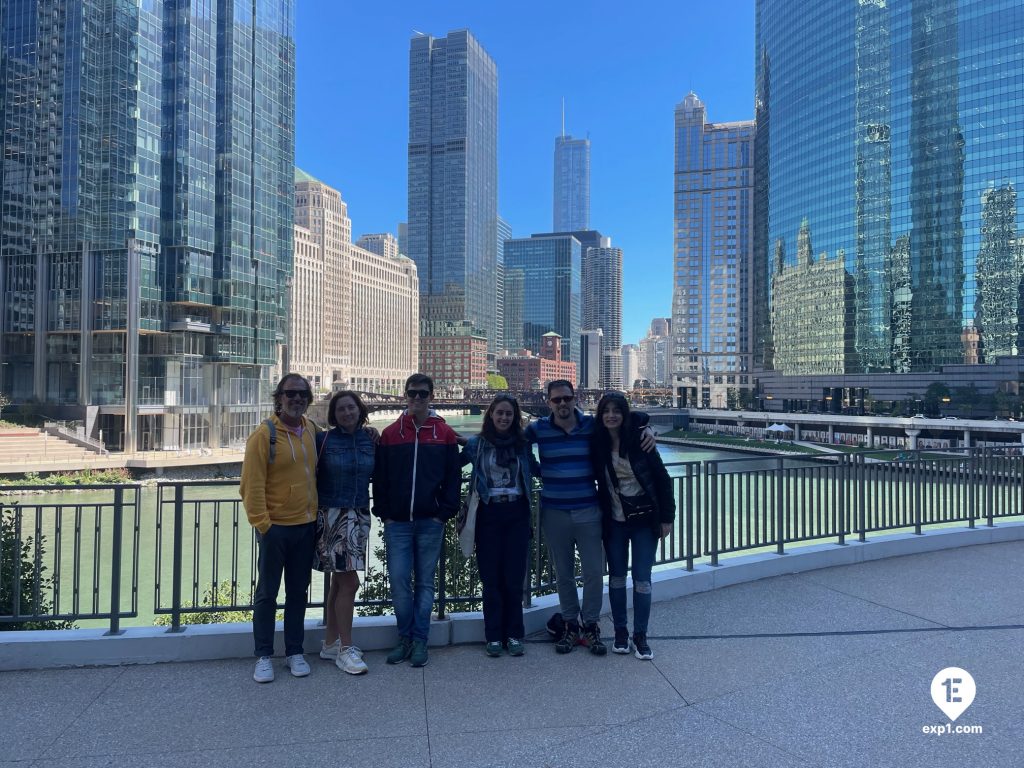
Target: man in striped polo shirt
[{"x": 570, "y": 515}]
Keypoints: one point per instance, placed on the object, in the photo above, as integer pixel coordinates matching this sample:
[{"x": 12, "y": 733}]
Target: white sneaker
[
  {"x": 350, "y": 659},
  {"x": 297, "y": 665},
  {"x": 330, "y": 652},
  {"x": 264, "y": 670}
]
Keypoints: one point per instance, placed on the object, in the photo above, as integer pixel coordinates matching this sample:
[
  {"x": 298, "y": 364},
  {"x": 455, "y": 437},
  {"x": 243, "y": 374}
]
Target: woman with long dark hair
[
  {"x": 638, "y": 507},
  {"x": 345, "y": 460},
  {"x": 502, "y": 475}
]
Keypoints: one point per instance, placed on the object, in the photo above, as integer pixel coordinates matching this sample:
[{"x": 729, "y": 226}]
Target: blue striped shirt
[{"x": 565, "y": 462}]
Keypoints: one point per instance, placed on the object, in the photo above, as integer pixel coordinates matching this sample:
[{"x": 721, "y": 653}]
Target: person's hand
[
  {"x": 647, "y": 440},
  {"x": 666, "y": 529},
  {"x": 373, "y": 433},
  {"x": 461, "y": 440}
]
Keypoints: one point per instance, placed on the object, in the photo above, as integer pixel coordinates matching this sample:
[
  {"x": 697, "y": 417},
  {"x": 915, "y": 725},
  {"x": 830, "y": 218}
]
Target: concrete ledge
[{"x": 45, "y": 649}]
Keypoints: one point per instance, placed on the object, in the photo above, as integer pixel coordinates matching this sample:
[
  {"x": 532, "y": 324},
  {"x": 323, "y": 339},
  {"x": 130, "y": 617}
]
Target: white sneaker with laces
[
  {"x": 264, "y": 670},
  {"x": 350, "y": 659},
  {"x": 330, "y": 652},
  {"x": 297, "y": 665}
]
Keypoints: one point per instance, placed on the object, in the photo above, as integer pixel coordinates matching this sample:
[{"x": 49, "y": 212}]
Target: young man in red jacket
[{"x": 416, "y": 488}]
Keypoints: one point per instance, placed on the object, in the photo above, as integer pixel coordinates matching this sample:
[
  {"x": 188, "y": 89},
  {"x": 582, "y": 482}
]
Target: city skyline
[{"x": 624, "y": 102}]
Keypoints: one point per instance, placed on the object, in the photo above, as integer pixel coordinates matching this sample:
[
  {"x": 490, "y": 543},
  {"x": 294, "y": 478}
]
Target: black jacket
[{"x": 650, "y": 474}]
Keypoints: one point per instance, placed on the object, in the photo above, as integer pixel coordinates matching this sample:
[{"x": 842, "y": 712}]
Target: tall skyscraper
[
  {"x": 504, "y": 233},
  {"x": 453, "y": 180},
  {"x": 898, "y": 151},
  {"x": 711, "y": 297},
  {"x": 146, "y": 197},
  {"x": 602, "y": 308},
  {"x": 548, "y": 269},
  {"x": 572, "y": 184}
]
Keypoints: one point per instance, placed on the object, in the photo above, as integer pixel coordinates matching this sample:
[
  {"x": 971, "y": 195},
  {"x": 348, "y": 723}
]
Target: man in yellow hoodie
[{"x": 278, "y": 490}]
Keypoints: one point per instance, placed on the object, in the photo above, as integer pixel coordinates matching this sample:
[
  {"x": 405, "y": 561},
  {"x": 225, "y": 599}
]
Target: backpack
[{"x": 272, "y": 429}]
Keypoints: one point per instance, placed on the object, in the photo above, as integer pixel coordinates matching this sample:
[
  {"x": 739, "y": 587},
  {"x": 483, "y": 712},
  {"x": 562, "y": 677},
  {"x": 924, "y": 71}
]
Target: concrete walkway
[{"x": 826, "y": 668}]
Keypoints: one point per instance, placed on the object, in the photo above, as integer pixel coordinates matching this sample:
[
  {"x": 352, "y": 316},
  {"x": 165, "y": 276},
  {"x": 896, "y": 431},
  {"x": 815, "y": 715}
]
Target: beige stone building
[{"x": 353, "y": 319}]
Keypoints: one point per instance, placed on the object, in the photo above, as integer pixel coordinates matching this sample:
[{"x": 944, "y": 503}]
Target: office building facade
[
  {"x": 898, "y": 150},
  {"x": 712, "y": 286},
  {"x": 453, "y": 180},
  {"x": 601, "y": 270},
  {"x": 529, "y": 371},
  {"x": 354, "y": 311},
  {"x": 571, "y": 198},
  {"x": 548, "y": 269},
  {"x": 144, "y": 267}
]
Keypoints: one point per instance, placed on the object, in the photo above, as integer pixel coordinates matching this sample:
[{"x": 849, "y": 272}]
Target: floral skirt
[{"x": 341, "y": 539}]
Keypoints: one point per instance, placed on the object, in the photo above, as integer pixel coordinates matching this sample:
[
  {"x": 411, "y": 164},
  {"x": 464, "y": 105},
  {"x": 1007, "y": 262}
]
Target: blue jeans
[
  {"x": 618, "y": 538},
  {"x": 412, "y": 550}
]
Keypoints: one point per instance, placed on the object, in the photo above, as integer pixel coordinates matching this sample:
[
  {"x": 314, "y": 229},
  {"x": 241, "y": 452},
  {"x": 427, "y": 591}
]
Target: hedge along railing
[{"x": 201, "y": 552}]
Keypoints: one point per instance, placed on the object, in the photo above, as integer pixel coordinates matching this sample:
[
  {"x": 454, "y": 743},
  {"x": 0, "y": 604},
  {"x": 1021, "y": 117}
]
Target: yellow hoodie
[{"x": 283, "y": 493}]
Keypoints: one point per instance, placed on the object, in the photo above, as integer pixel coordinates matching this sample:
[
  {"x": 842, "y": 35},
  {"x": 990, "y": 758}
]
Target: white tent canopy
[{"x": 778, "y": 428}]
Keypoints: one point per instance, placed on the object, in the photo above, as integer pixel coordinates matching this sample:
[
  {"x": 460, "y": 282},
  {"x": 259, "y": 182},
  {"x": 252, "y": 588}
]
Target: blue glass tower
[
  {"x": 453, "y": 180},
  {"x": 545, "y": 271},
  {"x": 897, "y": 149},
  {"x": 571, "y": 198},
  {"x": 146, "y": 197}
]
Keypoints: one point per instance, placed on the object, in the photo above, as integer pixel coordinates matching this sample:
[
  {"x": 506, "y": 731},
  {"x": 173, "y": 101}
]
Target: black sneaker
[
  {"x": 569, "y": 637},
  {"x": 643, "y": 650},
  {"x": 556, "y": 627},
  {"x": 621, "y": 644},
  {"x": 592, "y": 639}
]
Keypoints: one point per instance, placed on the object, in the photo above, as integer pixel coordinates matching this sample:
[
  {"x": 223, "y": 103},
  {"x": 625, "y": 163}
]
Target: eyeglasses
[
  {"x": 293, "y": 393},
  {"x": 563, "y": 399},
  {"x": 422, "y": 394}
]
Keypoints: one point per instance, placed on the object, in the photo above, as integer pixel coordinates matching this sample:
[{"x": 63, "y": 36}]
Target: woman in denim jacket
[
  {"x": 344, "y": 469},
  {"x": 503, "y": 476}
]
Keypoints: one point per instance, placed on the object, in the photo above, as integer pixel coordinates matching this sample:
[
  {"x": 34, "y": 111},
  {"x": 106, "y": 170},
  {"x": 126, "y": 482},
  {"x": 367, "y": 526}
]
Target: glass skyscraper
[
  {"x": 545, "y": 271},
  {"x": 889, "y": 158},
  {"x": 146, "y": 201},
  {"x": 572, "y": 184},
  {"x": 714, "y": 175},
  {"x": 453, "y": 180}
]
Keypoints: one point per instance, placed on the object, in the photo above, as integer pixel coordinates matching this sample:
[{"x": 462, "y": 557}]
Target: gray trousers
[{"x": 566, "y": 530}]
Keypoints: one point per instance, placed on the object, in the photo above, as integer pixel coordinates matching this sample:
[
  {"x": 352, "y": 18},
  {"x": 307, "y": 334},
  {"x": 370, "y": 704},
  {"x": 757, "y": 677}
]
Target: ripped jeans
[{"x": 618, "y": 538}]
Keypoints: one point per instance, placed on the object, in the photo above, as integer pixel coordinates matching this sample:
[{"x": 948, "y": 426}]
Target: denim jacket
[
  {"x": 527, "y": 463},
  {"x": 344, "y": 468}
]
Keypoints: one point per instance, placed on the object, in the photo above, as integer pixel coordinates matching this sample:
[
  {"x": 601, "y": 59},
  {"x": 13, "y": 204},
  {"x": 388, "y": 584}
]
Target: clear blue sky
[{"x": 621, "y": 66}]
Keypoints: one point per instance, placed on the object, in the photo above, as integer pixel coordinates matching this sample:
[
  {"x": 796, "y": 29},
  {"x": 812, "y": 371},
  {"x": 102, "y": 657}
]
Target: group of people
[{"x": 605, "y": 492}]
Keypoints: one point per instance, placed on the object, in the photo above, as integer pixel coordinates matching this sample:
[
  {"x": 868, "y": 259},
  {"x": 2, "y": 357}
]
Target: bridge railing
[{"x": 184, "y": 551}]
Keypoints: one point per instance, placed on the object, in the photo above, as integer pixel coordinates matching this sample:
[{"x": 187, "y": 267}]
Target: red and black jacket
[{"x": 417, "y": 474}]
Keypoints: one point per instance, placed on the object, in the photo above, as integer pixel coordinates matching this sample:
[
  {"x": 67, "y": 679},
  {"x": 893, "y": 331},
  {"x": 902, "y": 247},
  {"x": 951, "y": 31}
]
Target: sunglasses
[
  {"x": 563, "y": 399},
  {"x": 293, "y": 393},
  {"x": 422, "y": 394}
]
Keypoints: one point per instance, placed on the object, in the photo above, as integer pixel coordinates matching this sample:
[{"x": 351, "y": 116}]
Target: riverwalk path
[{"x": 832, "y": 667}]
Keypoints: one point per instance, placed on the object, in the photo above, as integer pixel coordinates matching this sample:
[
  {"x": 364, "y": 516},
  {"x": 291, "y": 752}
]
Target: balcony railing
[{"x": 82, "y": 556}]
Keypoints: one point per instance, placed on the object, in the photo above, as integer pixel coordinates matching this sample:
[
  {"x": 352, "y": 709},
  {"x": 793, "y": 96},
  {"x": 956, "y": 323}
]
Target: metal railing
[
  {"x": 199, "y": 553},
  {"x": 77, "y": 559}
]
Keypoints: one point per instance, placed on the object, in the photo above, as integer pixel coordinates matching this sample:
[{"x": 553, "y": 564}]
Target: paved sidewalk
[{"x": 826, "y": 668}]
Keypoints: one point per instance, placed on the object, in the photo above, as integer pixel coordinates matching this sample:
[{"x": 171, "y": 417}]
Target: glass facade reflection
[
  {"x": 544, "y": 271},
  {"x": 453, "y": 180},
  {"x": 146, "y": 203},
  {"x": 890, "y": 133}
]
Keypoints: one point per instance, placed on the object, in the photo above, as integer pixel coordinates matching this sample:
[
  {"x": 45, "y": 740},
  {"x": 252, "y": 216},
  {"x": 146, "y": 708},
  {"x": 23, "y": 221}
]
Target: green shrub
[
  {"x": 215, "y": 595},
  {"x": 35, "y": 585}
]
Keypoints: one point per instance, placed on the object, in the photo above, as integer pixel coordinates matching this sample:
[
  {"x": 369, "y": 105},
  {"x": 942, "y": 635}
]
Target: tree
[
  {"x": 4, "y": 402},
  {"x": 34, "y": 586},
  {"x": 936, "y": 394},
  {"x": 496, "y": 381}
]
